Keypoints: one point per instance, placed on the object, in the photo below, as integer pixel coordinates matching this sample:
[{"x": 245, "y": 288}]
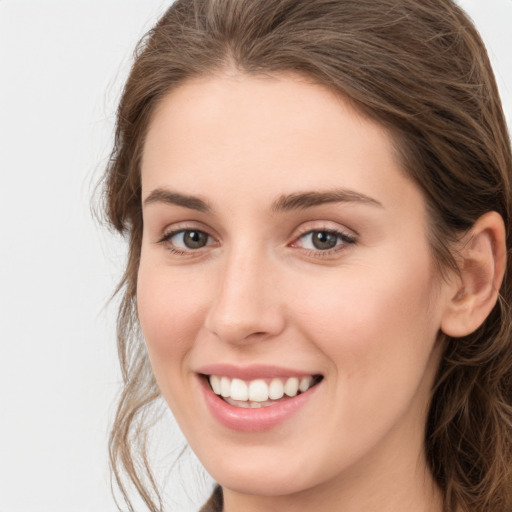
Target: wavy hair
[{"x": 420, "y": 69}]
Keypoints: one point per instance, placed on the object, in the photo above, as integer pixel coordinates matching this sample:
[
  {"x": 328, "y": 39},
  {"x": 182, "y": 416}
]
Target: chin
[{"x": 264, "y": 477}]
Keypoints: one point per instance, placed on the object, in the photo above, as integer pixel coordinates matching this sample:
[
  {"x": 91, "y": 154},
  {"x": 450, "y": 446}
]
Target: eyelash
[
  {"x": 175, "y": 250},
  {"x": 345, "y": 239},
  {"x": 340, "y": 235}
]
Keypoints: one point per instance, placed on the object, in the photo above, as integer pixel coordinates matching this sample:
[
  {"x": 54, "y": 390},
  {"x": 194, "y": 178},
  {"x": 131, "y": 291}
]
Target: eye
[
  {"x": 187, "y": 240},
  {"x": 323, "y": 240}
]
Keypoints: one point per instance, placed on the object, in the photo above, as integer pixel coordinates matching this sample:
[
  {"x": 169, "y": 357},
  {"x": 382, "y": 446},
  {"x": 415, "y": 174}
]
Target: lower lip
[{"x": 253, "y": 420}]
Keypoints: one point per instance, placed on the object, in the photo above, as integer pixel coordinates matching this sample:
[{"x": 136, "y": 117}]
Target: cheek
[
  {"x": 379, "y": 334},
  {"x": 368, "y": 320},
  {"x": 169, "y": 312}
]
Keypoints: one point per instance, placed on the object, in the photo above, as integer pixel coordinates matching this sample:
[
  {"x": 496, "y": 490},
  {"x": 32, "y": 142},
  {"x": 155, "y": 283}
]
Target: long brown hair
[{"x": 420, "y": 69}]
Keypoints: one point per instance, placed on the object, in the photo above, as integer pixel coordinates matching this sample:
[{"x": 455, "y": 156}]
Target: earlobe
[{"x": 474, "y": 293}]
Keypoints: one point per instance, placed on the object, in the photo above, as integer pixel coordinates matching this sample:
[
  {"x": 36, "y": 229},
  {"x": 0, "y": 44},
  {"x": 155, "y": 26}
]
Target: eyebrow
[
  {"x": 161, "y": 195},
  {"x": 294, "y": 201},
  {"x": 303, "y": 200}
]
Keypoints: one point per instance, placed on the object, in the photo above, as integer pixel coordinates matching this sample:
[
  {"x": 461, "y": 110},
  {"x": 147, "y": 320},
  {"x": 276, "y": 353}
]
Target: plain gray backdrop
[{"x": 62, "y": 65}]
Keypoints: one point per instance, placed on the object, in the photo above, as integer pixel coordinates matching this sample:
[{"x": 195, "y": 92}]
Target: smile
[{"x": 260, "y": 392}]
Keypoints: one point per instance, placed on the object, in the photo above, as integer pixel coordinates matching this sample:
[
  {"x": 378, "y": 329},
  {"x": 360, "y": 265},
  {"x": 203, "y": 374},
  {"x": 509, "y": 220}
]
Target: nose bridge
[{"x": 245, "y": 306}]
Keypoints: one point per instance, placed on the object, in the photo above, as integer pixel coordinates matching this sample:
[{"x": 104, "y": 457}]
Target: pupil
[
  {"x": 194, "y": 239},
  {"x": 324, "y": 240}
]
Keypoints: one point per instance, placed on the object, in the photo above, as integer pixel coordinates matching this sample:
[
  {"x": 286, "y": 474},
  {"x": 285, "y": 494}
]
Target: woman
[{"x": 317, "y": 199}]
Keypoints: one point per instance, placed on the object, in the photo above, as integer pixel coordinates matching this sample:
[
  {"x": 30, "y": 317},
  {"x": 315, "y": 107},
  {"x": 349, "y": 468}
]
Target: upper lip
[{"x": 252, "y": 372}]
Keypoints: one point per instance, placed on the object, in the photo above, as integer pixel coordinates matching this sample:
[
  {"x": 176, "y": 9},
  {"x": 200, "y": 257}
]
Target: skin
[{"x": 365, "y": 315}]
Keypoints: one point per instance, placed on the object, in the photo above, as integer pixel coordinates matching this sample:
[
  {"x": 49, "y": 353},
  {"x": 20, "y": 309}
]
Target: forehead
[{"x": 265, "y": 133}]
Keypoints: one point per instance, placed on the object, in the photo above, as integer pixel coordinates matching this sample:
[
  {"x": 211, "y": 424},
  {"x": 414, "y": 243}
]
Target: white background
[{"x": 62, "y": 64}]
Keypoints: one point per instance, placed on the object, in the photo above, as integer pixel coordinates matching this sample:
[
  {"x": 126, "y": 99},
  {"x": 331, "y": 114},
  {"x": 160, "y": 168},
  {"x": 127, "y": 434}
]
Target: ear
[{"x": 474, "y": 292}]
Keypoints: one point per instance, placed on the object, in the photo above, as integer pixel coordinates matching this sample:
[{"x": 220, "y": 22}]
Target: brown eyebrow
[
  {"x": 303, "y": 200},
  {"x": 160, "y": 195},
  {"x": 295, "y": 201}
]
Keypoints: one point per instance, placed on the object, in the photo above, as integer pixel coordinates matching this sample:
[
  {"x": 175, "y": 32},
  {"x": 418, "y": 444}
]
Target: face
[{"x": 286, "y": 289}]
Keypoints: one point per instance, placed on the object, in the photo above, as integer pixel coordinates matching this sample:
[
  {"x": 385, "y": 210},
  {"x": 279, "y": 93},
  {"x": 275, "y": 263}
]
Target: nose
[{"x": 247, "y": 306}]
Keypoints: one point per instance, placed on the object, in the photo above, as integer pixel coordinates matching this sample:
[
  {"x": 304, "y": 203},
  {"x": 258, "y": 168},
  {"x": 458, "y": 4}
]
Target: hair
[{"x": 420, "y": 69}]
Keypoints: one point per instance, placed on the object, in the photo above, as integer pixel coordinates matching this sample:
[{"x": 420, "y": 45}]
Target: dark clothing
[{"x": 215, "y": 503}]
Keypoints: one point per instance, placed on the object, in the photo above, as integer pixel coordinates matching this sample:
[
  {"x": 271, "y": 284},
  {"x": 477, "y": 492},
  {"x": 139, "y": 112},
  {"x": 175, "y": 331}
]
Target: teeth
[
  {"x": 239, "y": 390},
  {"x": 255, "y": 392},
  {"x": 258, "y": 391},
  {"x": 276, "y": 389},
  {"x": 305, "y": 383},
  {"x": 225, "y": 387},
  {"x": 291, "y": 388},
  {"x": 215, "y": 383}
]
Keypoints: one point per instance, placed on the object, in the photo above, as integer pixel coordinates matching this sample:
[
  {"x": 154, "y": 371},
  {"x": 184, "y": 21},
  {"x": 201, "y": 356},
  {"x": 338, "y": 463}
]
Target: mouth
[{"x": 258, "y": 393}]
